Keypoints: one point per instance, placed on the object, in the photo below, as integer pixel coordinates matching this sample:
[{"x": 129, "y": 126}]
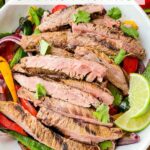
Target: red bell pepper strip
[
  {"x": 113, "y": 110},
  {"x": 8, "y": 124},
  {"x": 130, "y": 64},
  {"x": 58, "y": 7},
  {"x": 147, "y": 4},
  {"x": 26, "y": 105}
]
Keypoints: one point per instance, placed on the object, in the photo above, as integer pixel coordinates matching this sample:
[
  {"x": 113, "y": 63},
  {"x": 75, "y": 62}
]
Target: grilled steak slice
[
  {"x": 114, "y": 74},
  {"x": 31, "y": 43},
  {"x": 34, "y": 128},
  {"x": 62, "y": 107},
  {"x": 71, "y": 67},
  {"x": 102, "y": 94},
  {"x": 107, "y": 21},
  {"x": 110, "y": 36},
  {"x": 65, "y": 40},
  {"x": 74, "y": 129},
  {"x": 63, "y": 18},
  {"x": 75, "y": 40},
  {"x": 58, "y": 90},
  {"x": 18, "y": 68},
  {"x": 60, "y": 52}
]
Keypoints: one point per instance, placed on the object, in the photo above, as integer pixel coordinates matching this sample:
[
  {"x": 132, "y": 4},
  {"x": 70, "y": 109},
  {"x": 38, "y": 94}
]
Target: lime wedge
[
  {"x": 139, "y": 95},
  {"x": 138, "y": 117},
  {"x": 133, "y": 124}
]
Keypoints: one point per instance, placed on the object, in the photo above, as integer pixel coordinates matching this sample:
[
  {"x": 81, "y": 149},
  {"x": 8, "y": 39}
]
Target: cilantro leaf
[
  {"x": 114, "y": 13},
  {"x": 44, "y": 46},
  {"x": 105, "y": 145},
  {"x": 116, "y": 93},
  {"x": 146, "y": 73},
  {"x": 40, "y": 12},
  {"x": 102, "y": 113},
  {"x": 120, "y": 57},
  {"x": 130, "y": 31},
  {"x": 81, "y": 17},
  {"x": 40, "y": 91}
]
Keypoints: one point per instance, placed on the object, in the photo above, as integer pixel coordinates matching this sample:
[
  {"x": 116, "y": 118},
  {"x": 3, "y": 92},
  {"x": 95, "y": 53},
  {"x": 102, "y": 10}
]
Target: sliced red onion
[
  {"x": 12, "y": 38},
  {"x": 131, "y": 139}
]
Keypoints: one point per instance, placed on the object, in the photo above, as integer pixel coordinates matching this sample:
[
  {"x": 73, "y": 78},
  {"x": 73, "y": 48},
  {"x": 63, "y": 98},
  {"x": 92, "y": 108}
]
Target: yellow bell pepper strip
[
  {"x": 7, "y": 75},
  {"x": 130, "y": 23}
]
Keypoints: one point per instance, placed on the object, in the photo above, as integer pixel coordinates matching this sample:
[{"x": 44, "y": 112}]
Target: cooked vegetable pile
[{"x": 73, "y": 78}]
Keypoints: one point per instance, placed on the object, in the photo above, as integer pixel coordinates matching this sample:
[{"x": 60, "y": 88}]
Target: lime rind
[
  {"x": 133, "y": 124},
  {"x": 138, "y": 117},
  {"x": 139, "y": 95}
]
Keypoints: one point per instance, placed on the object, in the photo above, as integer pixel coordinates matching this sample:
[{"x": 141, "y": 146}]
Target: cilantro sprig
[
  {"x": 105, "y": 145},
  {"x": 130, "y": 31},
  {"x": 81, "y": 17},
  {"x": 102, "y": 113},
  {"x": 114, "y": 13},
  {"x": 40, "y": 91}
]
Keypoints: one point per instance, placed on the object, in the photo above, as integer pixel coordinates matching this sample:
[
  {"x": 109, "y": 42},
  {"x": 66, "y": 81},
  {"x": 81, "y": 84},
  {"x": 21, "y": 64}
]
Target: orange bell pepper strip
[{"x": 7, "y": 75}]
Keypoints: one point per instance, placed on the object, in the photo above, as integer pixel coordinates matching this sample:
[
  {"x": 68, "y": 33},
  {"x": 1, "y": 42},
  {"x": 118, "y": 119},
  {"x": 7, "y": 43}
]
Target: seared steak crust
[
  {"x": 31, "y": 43},
  {"x": 34, "y": 128},
  {"x": 74, "y": 129},
  {"x": 115, "y": 38}
]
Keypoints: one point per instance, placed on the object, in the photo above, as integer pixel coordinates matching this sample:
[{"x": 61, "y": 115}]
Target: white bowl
[{"x": 9, "y": 16}]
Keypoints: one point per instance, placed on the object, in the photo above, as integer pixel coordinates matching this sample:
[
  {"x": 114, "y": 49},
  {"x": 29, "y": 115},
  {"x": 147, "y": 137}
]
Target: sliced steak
[
  {"x": 60, "y": 52},
  {"x": 76, "y": 130},
  {"x": 114, "y": 38},
  {"x": 58, "y": 90},
  {"x": 31, "y": 43},
  {"x": 65, "y": 40},
  {"x": 37, "y": 130},
  {"x": 62, "y": 107},
  {"x": 107, "y": 21},
  {"x": 63, "y": 18},
  {"x": 71, "y": 67},
  {"x": 114, "y": 74},
  {"x": 75, "y": 40},
  {"x": 102, "y": 94},
  {"x": 18, "y": 68}
]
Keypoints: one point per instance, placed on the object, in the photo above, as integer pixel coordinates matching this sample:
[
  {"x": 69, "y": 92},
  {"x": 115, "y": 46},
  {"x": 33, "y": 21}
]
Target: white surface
[{"x": 9, "y": 17}]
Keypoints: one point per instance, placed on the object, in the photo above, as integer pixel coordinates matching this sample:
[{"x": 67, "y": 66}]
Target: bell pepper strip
[
  {"x": 113, "y": 110},
  {"x": 7, "y": 75},
  {"x": 131, "y": 23},
  {"x": 26, "y": 104},
  {"x": 35, "y": 19},
  {"x": 58, "y": 8},
  {"x": 130, "y": 64},
  {"x": 29, "y": 142},
  {"x": 8, "y": 124},
  {"x": 147, "y": 4}
]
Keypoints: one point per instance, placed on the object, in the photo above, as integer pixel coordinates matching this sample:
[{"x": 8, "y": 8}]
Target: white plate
[{"x": 9, "y": 17}]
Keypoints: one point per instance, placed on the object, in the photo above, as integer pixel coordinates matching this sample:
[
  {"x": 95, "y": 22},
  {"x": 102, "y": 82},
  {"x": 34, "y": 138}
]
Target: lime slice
[
  {"x": 133, "y": 124},
  {"x": 139, "y": 95}
]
